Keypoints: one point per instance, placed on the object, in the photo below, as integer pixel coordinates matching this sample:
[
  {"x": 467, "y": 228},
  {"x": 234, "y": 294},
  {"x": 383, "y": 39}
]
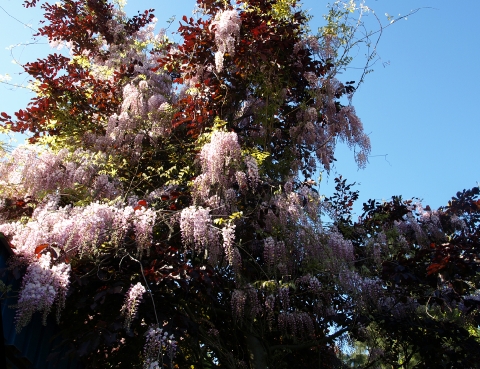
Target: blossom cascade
[
  {"x": 43, "y": 286},
  {"x": 80, "y": 229},
  {"x": 132, "y": 300},
  {"x": 197, "y": 228},
  {"x": 227, "y": 25}
]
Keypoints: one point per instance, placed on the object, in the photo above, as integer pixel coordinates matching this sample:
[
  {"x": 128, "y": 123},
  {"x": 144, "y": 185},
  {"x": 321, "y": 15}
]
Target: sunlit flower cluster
[
  {"x": 228, "y": 234},
  {"x": 198, "y": 231},
  {"x": 77, "y": 230},
  {"x": 219, "y": 160},
  {"x": 32, "y": 172},
  {"x": 227, "y": 30},
  {"x": 143, "y": 222},
  {"x": 132, "y": 300},
  {"x": 43, "y": 286}
]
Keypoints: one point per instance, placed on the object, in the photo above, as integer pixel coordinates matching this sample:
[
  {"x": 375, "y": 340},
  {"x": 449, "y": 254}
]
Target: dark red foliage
[
  {"x": 457, "y": 258},
  {"x": 81, "y": 21},
  {"x": 66, "y": 89},
  {"x": 15, "y": 208},
  {"x": 259, "y": 45}
]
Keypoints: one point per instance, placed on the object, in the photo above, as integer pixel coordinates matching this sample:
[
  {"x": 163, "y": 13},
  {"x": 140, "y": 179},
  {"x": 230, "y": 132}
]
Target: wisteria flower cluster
[
  {"x": 32, "y": 172},
  {"x": 186, "y": 166},
  {"x": 132, "y": 300},
  {"x": 219, "y": 160},
  {"x": 197, "y": 228},
  {"x": 274, "y": 254},
  {"x": 224, "y": 166},
  {"x": 231, "y": 252},
  {"x": 320, "y": 125},
  {"x": 239, "y": 298},
  {"x": 297, "y": 324},
  {"x": 78, "y": 230},
  {"x": 227, "y": 25},
  {"x": 158, "y": 345},
  {"x": 43, "y": 285},
  {"x": 143, "y": 116}
]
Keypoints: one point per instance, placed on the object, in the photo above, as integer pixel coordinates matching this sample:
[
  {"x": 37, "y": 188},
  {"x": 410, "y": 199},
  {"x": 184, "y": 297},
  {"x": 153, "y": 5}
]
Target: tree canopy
[{"x": 165, "y": 208}]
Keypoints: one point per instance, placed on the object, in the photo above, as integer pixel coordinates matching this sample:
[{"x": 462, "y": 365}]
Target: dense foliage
[{"x": 165, "y": 210}]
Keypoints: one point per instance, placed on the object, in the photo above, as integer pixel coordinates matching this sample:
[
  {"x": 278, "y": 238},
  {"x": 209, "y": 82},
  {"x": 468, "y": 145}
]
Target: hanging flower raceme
[
  {"x": 218, "y": 156},
  {"x": 43, "y": 286},
  {"x": 132, "y": 300},
  {"x": 231, "y": 252},
  {"x": 158, "y": 344},
  {"x": 30, "y": 171},
  {"x": 79, "y": 230},
  {"x": 143, "y": 222},
  {"x": 132, "y": 99},
  {"x": 298, "y": 324},
  {"x": 197, "y": 229},
  {"x": 219, "y": 159},
  {"x": 274, "y": 254},
  {"x": 226, "y": 26},
  {"x": 223, "y": 165}
]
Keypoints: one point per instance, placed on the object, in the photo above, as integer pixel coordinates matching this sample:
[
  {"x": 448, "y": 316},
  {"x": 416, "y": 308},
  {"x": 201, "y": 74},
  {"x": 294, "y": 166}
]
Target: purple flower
[
  {"x": 43, "y": 285},
  {"x": 132, "y": 300},
  {"x": 157, "y": 344}
]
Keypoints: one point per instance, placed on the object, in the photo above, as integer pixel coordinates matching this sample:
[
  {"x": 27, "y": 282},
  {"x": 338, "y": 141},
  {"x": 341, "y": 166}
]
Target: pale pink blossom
[
  {"x": 78, "y": 230},
  {"x": 132, "y": 100},
  {"x": 226, "y": 26},
  {"x": 228, "y": 234},
  {"x": 220, "y": 160},
  {"x": 143, "y": 221},
  {"x": 33, "y": 172},
  {"x": 132, "y": 300},
  {"x": 197, "y": 228},
  {"x": 43, "y": 286}
]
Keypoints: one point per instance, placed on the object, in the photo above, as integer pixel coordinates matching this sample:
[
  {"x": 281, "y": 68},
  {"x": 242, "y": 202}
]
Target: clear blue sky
[{"x": 419, "y": 105}]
